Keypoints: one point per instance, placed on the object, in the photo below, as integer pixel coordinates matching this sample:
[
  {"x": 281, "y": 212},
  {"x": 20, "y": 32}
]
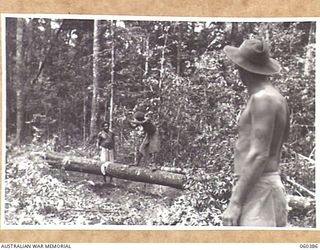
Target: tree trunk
[
  {"x": 84, "y": 127},
  {"x": 80, "y": 164},
  {"x": 112, "y": 81},
  {"x": 265, "y": 32},
  {"x": 162, "y": 60},
  {"x": 20, "y": 81},
  {"x": 96, "y": 80},
  {"x": 147, "y": 55},
  {"x": 309, "y": 48},
  {"x": 112, "y": 76},
  {"x": 234, "y": 35},
  {"x": 300, "y": 202},
  {"x": 179, "y": 49}
]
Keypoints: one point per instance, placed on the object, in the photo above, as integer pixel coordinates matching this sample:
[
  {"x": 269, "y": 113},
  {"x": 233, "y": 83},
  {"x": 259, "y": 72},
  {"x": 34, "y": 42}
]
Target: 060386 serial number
[{"x": 309, "y": 246}]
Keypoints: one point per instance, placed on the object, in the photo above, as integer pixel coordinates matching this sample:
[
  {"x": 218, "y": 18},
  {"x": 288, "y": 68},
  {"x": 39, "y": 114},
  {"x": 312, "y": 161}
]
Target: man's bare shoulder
[
  {"x": 262, "y": 100},
  {"x": 268, "y": 98}
]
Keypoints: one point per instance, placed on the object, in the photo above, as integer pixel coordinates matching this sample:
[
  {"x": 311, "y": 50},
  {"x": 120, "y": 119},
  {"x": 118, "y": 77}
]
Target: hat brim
[{"x": 269, "y": 68}]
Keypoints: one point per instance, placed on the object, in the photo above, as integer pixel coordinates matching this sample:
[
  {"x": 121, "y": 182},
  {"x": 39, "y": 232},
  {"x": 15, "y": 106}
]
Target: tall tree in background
[
  {"x": 96, "y": 78},
  {"x": 163, "y": 50},
  {"x": 112, "y": 75},
  {"x": 11, "y": 30},
  {"x": 309, "y": 49},
  {"x": 234, "y": 36},
  {"x": 179, "y": 48},
  {"x": 146, "y": 55},
  {"x": 20, "y": 81}
]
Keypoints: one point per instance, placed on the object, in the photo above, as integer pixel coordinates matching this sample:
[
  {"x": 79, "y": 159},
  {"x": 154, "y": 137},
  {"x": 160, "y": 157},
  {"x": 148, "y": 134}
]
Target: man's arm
[{"x": 263, "y": 114}]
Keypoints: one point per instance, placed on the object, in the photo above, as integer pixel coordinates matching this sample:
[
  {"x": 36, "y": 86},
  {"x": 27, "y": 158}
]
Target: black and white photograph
[{"x": 119, "y": 121}]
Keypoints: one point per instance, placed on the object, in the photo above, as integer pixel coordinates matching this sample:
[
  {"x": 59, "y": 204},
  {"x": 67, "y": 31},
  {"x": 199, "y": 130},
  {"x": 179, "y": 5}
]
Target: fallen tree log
[
  {"x": 175, "y": 180},
  {"x": 91, "y": 166},
  {"x": 300, "y": 202}
]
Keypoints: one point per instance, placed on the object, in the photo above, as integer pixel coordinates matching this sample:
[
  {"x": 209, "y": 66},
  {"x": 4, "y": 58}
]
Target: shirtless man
[
  {"x": 150, "y": 145},
  {"x": 258, "y": 197}
]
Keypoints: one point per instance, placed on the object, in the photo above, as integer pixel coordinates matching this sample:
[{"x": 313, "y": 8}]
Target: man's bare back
[
  {"x": 263, "y": 127},
  {"x": 273, "y": 105},
  {"x": 258, "y": 197}
]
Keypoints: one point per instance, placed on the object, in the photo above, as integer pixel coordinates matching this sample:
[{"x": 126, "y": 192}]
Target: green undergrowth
[{"x": 36, "y": 194}]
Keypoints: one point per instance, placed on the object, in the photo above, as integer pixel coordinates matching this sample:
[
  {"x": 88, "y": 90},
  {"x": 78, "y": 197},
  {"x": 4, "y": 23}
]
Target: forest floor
[{"x": 36, "y": 194}]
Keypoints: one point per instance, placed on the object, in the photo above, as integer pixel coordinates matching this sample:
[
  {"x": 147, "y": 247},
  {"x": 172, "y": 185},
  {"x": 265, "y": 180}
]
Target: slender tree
[
  {"x": 96, "y": 78},
  {"x": 162, "y": 59},
  {"x": 311, "y": 42},
  {"x": 147, "y": 55},
  {"x": 112, "y": 75},
  {"x": 20, "y": 83},
  {"x": 179, "y": 49},
  {"x": 234, "y": 37}
]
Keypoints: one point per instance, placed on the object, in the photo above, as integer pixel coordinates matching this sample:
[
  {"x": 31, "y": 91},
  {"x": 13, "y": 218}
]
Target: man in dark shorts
[
  {"x": 151, "y": 142},
  {"x": 258, "y": 197}
]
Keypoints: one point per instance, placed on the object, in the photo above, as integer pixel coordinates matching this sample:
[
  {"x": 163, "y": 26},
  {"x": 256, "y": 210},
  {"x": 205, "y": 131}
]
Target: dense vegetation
[{"x": 64, "y": 77}]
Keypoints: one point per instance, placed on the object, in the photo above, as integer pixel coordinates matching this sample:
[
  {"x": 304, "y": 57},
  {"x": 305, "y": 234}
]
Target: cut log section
[
  {"x": 175, "y": 180},
  {"x": 300, "y": 202},
  {"x": 91, "y": 166}
]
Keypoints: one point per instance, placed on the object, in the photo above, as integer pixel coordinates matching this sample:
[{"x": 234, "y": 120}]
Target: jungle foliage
[{"x": 63, "y": 73}]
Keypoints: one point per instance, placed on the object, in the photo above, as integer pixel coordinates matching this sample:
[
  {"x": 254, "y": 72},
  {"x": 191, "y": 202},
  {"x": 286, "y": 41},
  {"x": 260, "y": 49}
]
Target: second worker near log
[
  {"x": 106, "y": 144},
  {"x": 150, "y": 145}
]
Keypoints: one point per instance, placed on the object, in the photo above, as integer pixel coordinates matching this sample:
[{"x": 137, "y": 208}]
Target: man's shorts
[
  {"x": 106, "y": 154},
  {"x": 266, "y": 204}
]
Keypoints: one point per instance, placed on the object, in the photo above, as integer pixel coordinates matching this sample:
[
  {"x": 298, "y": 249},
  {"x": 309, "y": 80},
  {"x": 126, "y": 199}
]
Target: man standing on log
[
  {"x": 106, "y": 143},
  {"x": 258, "y": 197}
]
